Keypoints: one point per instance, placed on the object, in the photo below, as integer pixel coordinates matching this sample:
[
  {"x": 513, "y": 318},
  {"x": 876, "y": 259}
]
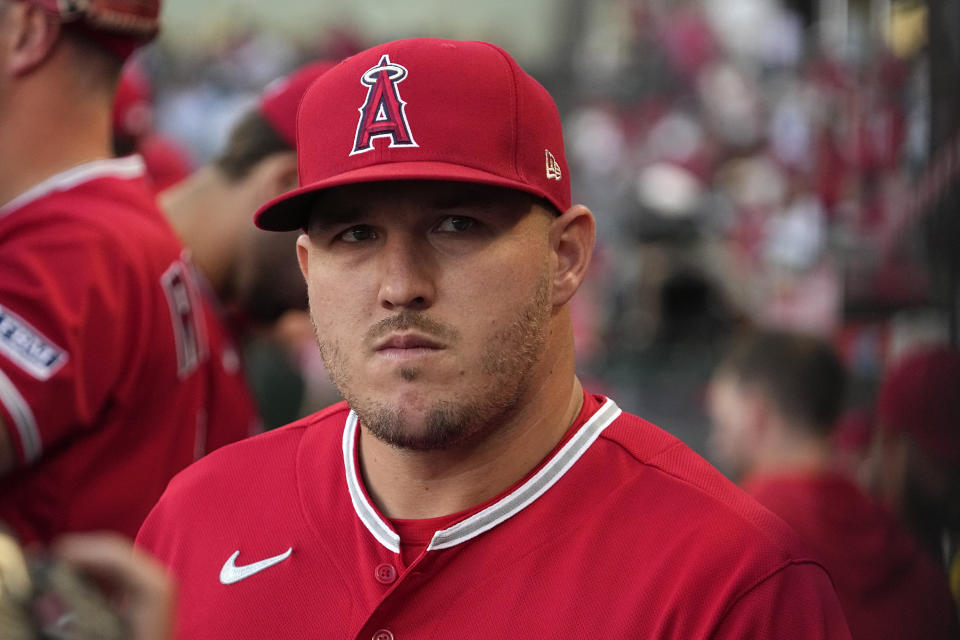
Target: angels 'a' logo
[{"x": 382, "y": 113}]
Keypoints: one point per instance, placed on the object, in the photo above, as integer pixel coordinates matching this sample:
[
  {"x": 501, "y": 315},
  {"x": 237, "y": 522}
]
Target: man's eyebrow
[{"x": 325, "y": 216}]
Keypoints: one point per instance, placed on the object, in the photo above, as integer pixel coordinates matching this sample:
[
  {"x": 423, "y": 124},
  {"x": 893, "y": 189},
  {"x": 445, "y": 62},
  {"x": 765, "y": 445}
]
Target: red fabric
[
  {"x": 415, "y": 535},
  {"x": 101, "y": 431},
  {"x": 639, "y": 538},
  {"x": 919, "y": 396},
  {"x": 120, "y": 26},
  {"x": 231, "y": 413},
  {"x": 132, "y": 115},
  {"x": 168, "y": 162},
  {"x": 280, "y": 100},
  {"x": 888, "y": 586},
  {"x": 431, "y": 110}
]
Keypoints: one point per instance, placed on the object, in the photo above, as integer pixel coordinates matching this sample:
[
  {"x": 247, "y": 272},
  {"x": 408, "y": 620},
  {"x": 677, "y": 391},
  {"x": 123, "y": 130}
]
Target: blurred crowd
[{"x": 745, "y": 169}]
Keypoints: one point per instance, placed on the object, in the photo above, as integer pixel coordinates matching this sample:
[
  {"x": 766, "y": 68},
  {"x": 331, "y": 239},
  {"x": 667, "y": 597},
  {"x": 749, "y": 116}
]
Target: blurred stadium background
[{"x": 785, "y": 163}]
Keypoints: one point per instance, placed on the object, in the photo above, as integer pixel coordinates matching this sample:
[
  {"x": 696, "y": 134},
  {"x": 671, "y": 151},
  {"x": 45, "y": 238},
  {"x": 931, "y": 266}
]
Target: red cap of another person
[
  {"x": 920, "y": 396},
  {"x": 279, "y": 101}
]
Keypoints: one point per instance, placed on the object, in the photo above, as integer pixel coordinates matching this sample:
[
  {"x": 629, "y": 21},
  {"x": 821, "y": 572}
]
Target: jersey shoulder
[
  {"x": 111, "y": 210},
  {"x": 710, "y": 501},
  {"x": 245, "y": 462}
]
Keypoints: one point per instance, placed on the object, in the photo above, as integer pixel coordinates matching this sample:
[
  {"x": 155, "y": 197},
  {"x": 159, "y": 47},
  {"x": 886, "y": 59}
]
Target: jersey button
[
  {"x": 383, "y": 634},
  {"x": 385, "y": 574}
]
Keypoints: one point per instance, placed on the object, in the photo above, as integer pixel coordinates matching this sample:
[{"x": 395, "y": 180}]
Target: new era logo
[{"x": 553, "y": 167}]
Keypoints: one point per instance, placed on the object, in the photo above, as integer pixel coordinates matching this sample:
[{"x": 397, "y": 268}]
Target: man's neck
[
  {"x": 44, "y": 135},
  {"x": 794, "y": 454},
  {"x": 428, "y": 484}
]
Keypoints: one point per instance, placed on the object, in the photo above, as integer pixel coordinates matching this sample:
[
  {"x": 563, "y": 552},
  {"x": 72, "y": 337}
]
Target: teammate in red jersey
[
  {"x": 248, "y": 278},
  {"x": 469, "y": 487},
  {"x": 102, "y": 340},
  {"x": 774, "y": 401}
]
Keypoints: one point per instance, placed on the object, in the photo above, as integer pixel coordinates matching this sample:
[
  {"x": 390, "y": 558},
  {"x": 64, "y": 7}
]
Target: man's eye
[
  {"x": 358, "y": 234},
  {"x": 456, "y": 224}
]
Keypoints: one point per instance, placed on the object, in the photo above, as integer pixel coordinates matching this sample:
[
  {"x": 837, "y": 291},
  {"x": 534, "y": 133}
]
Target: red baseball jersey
[
  {"x": 103, "y": 352},
  {"x": 231, "y": 410},
  {"x": 887, "y": 585},
  {"x": 622, "y": 532}
]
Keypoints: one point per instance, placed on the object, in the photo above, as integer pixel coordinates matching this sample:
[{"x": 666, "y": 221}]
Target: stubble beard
[{"x": 506, "y": 363}]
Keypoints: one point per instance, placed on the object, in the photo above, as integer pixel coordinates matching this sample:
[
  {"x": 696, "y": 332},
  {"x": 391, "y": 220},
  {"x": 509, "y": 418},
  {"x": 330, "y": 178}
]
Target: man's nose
[{"x": 407, "y": 276}]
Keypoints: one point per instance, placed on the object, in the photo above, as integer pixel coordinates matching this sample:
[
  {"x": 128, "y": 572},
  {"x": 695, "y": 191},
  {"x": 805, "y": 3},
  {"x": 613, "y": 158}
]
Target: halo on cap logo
[{"x": 383, "y": 114}]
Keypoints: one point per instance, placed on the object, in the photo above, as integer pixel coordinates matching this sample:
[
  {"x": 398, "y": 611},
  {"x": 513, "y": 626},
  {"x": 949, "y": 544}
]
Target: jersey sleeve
[
  {"x": 797, "y": 601},
  {"x": 67, "y": 301}
]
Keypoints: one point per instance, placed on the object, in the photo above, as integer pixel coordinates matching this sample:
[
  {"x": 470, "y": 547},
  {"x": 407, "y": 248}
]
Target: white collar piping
[
  {"x": 498, "y": 512},
  {"x": 126, "y": 167}
]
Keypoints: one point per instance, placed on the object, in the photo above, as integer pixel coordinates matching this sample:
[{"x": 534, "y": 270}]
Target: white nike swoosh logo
[{"x": 231, "y": 573}]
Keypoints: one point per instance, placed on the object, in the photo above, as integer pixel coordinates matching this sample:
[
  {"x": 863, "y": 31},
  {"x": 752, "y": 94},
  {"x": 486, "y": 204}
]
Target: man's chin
[{"x": 438, "y": 428}]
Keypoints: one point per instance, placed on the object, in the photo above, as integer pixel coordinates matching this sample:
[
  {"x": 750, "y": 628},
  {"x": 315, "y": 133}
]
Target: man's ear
[
  {"x": 302, "y": 250},
  {"x": 31, "y": 37},
  {"x": 572, "y": 235}
]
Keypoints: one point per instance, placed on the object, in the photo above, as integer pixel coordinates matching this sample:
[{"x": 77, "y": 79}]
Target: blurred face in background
[
  {"x": 265, "y": 279},
  {"x": 268, "y": 282},
  {"x": 733, "y": 412}
]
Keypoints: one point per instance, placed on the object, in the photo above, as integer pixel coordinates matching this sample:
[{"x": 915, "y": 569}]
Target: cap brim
[{"x": 290, "y": 210}]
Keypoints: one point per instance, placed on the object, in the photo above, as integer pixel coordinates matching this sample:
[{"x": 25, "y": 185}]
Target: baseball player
[
  {"x": 247, "y": 277},
  {"x": 469, "y": 486},
  {"x": 774, "y": 401},
  {"x": 103, "y": 351}
]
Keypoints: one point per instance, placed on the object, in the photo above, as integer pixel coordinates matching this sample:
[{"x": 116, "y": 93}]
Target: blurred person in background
[
  {"x": 774, "y": 401},
  {"x": 166, "y": 160},
  {"x": 914, "y": 460},
  {"x": 249, "y": 278},
  {"x": 103, "y": 356}
]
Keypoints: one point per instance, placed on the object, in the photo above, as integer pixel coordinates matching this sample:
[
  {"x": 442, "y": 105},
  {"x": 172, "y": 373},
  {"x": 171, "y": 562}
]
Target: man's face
[
  {"x": 431, "y": 304},
  {"x": 732, "y": 416}
]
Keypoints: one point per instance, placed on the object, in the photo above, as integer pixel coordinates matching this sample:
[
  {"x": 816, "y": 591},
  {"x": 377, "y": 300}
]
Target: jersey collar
[
  {"x": 127, "y": 167},
  {"x": 498, "y": 512}
]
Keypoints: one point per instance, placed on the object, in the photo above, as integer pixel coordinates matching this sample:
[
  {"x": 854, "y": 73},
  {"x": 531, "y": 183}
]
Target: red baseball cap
[
  {"x": 133, "y": 103},
  {"x": 279, "y": 101},
  {"x": 425, "y": 109},
  {"x": 118, "y": 25},
  {"x": 920, "y": 396}
]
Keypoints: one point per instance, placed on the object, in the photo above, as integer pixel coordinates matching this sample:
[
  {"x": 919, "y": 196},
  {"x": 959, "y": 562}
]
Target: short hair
[
  {"x": 251, "y": 140},
  {"x": 801, "y": 374},
  {"x": 98, "y": 69}
]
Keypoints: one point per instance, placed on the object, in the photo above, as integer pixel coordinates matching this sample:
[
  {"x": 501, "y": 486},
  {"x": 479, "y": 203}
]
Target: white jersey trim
[
  {"x": 23, "y": 420},
  {"x": 368, "y": 515},
  {"x": 126, "y": 167},
  {"x": 500, "y": 511}
]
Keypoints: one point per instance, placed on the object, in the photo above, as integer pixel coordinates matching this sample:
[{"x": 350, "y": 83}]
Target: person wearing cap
[
  {"x": 774, "y": 402},
  {"x": 914, "y": 459},
  {"x": 249, "y": 278},
  {"x": 103, "y": 359},
  {"x": 469, "y": 486},
  {"x": 167, "y": 161}
]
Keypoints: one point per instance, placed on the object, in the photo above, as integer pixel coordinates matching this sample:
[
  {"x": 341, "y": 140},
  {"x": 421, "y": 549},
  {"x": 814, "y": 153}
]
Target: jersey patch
[
  {"x": 28, "y": 348},
  {"x": 383, "y": 114}
]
